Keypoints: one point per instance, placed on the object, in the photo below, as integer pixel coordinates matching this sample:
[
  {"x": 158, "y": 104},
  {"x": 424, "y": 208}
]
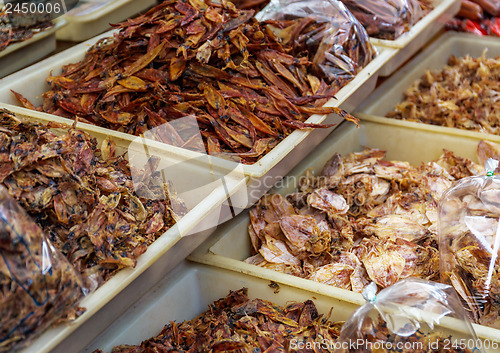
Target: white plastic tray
[
  {"x": 161, "y": 256},
  {"x": 188, "y": 291},
  {"x": 385, "y": 98},
  {"x": 93, "y": 17},
  {"x": 19, "y": 55},
  {"x": 420, "y": 34},
  {"x": 231, "y": 243},
  {"x": 31, "y": 83}
]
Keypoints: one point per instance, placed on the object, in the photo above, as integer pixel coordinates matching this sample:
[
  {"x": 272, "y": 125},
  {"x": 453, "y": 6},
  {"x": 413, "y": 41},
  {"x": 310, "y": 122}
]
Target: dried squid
[
  {"x": 82, "y": 195},
  {"x": 238, "y": 324},
  {"x": 362, "y": 219},
  {"x": 194, "y": 58}
]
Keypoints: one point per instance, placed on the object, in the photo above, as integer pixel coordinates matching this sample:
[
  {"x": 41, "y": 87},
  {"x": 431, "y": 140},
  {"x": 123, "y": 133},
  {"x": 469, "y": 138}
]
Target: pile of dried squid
[
  {"x": 247, "y": 90},
  {"x": 241, "y": 325},
  {"x": 362, "y": 219},
  {"x": 82, "y": 195},
  {"x": 238, "y": 324}
]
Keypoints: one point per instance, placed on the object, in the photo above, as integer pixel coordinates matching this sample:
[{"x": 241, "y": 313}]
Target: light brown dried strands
[
  {"x": 463, "y": 95},
  {"x": 191, "y": 58},
  {"x": 37, "y": 284},
  {"x": 82, "y": 196},
  {"x": 238, "y": 324},
  {"x": 363, "y": 219}
]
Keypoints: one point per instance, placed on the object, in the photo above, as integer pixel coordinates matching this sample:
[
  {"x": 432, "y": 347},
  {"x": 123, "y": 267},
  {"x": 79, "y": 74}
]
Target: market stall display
[
  {"x": 190, "y": 69},
  {"x": 38, "y": 285},
  {"x": 233, "y": 244},
  {"x": 167, "y": 250},
  {"x": 137, "y": 143},
  {"x": 470, "y": 243}
]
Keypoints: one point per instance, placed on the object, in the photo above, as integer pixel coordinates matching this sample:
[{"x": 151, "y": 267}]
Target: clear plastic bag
[
  {"x": 469, "y": 241},
  {"x": 388, "y": 19},
  {"x": 412, "y": 315},
  {"x": 324, "y": 32},
  {"x": 37, "y": 284}
]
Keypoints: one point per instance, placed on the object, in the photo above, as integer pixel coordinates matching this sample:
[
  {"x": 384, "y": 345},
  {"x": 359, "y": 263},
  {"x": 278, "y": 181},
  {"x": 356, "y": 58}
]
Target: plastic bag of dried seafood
[
  {"x": 388, "y": 19},
  {"x": 337, "y": 43},
  {"x": 413, "y": 315},
  {"x": 469, "y": 241},
  {"x": 37, "y": 284}
]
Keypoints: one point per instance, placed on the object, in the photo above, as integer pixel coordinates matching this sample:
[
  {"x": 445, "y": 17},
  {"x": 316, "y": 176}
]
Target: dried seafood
[
  {"x": 17, "y": 27},
  {"x": 464, "y": 95},
  {"x": 37, "y": 284},
  {"x": 324, "y": 32},
  {"x": 238, "y": 324},
  {"x": 81, "y": 196},
  {"x": 388, "y": 19},
  {"x": 207, "y": 60},
  {"x": 363, "y": 219}
]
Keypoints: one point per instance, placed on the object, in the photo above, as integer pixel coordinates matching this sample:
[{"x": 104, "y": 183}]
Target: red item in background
[
  {"x": 495, "y": 26},
  {"x": 474, "y": 27}
]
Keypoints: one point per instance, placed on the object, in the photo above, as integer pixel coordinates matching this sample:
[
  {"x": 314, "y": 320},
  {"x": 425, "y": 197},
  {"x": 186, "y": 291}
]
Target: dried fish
[
  {"x": 82, "y": 196},
  {"x": 238, "y": 324},
  {"x": 363, "y": 219},
  {"x": 204, "y": 59},
  {"x": 464, "y": 95}
]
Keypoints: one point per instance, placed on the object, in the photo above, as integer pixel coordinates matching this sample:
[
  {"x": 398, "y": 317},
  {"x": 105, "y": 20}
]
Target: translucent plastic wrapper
[
  {"x": 37, "y": 284},
  {"x": 412, "y": 315},
  {"x": 469, "y": 242},
  {"x": 324, "y": 32},
  {"x": 388, "y": 19}
]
